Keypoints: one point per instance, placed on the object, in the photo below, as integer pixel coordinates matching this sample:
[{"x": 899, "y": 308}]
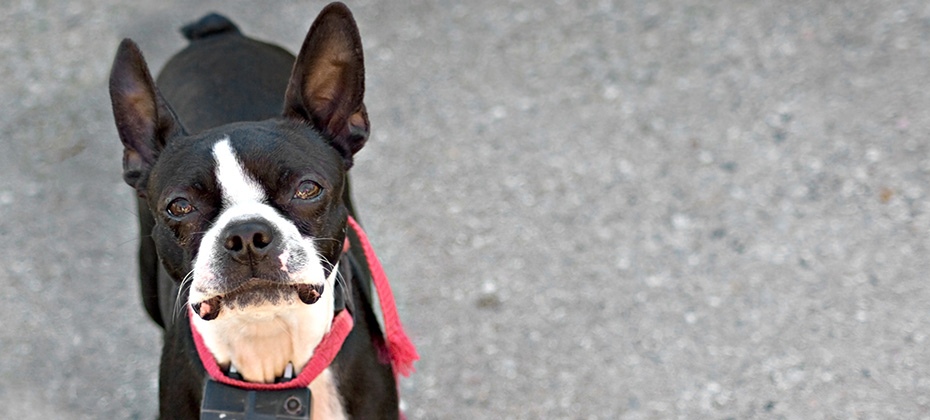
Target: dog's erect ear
[
  {"x": 328, "y": 81},
  {"x": 144, "y": 120}
]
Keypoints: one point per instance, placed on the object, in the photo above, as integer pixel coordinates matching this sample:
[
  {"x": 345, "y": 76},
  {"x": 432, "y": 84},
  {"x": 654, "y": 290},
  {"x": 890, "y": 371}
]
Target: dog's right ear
[
  {"x": 328, "y": 82},
  {"x": 144, "y": 120}
]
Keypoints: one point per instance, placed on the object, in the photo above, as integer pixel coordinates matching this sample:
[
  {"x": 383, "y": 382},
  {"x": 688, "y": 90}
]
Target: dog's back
[{"x": 224, "y": 77}]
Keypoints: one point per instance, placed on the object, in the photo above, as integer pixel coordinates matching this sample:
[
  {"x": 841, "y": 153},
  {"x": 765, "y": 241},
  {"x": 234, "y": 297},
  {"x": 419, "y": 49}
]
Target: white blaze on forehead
[{"x": 237, "y": 185}]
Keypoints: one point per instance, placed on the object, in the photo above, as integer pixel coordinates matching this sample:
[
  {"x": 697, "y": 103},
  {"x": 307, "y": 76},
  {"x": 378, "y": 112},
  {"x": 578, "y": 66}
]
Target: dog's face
[{"x": 251, "y": 213}]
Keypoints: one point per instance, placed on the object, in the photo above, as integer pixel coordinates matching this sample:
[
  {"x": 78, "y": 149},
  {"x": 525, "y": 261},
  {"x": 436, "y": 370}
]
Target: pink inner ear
[
  {"x": 141, "y": 101},
  {"x": 326, "y": 88},
  {"x": 322, "y": 106},
  {"x": 139, "y": 115}
]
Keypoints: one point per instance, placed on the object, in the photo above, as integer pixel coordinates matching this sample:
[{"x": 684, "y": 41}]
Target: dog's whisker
[
  {"x": 178, "y": 305},
  {"x": 325, "y": 239},
  {"x": 324, "y": 262},
  {"x": 336, "y": 279},
  {"x": 120, "y": 244}
]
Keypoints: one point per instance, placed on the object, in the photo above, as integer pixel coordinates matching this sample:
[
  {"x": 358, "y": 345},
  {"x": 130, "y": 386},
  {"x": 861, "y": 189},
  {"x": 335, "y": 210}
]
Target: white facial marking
[
  {"x": 327, "y": 404},
  {"x": 238, "y": 187},
  {"x": 285, "y": 256}
]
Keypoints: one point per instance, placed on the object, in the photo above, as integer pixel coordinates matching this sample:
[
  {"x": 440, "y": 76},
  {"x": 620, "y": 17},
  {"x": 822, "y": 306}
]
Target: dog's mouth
[{"x": 254, "y": 292}]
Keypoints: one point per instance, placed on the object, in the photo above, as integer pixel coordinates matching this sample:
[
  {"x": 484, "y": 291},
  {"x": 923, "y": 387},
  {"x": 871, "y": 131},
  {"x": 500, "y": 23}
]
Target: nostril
[
  {"x": 249, "y": 240},
  {"x": 234, "y": 243},
  {"x": 261, "y": 240}
]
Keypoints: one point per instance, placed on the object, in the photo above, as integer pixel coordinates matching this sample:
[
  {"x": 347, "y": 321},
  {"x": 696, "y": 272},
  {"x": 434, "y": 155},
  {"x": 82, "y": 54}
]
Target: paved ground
[{"x": 592, "y": 209}]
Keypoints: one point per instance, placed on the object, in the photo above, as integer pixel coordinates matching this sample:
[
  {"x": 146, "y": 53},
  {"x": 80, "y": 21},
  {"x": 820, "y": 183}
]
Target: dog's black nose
[{"x": 249, "y": 242}]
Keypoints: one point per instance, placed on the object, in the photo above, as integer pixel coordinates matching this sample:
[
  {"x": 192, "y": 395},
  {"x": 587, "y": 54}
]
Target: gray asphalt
[{"x": 591, "y": 209}]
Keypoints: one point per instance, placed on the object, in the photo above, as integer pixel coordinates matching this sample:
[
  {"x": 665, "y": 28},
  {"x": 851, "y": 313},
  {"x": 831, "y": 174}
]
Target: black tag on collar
[{"x": 221, "y": 401}]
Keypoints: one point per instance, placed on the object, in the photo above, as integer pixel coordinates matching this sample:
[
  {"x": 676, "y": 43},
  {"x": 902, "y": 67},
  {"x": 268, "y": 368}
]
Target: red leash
[{"x": 401, "y": 350}]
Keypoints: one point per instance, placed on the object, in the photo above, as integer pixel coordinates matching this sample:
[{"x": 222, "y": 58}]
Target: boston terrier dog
[{"x": 238, "y": 156}]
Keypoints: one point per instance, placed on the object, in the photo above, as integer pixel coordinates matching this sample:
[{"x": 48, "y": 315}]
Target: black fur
[{"x": 209, "y": 25}]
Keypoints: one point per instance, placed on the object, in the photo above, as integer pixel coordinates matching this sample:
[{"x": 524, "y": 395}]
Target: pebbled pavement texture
[{"x": 588, "y": 209}]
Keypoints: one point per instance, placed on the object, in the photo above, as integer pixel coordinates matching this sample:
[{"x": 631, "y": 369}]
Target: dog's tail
[{"x": 209, "y": 25}]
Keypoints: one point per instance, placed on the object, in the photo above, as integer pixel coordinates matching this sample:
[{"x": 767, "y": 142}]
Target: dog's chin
[
  {"x": 261, "y": 328},
  {"x": 256, "y": 296}
]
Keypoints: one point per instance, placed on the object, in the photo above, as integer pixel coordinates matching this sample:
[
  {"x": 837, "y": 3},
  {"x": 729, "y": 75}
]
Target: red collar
[
  {"x": 323, "y": 356},
  {"x": 401, "y": 351}
]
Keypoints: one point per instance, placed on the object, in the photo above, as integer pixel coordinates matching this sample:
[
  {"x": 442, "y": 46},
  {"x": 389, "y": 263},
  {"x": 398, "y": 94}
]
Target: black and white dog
[{"x": 244, "y": 200}]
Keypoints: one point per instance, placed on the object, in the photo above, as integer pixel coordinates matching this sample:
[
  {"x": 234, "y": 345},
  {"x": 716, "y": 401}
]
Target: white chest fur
[
  {"x": 326, "y": 404},
  {"x": 261, "y": 342}
]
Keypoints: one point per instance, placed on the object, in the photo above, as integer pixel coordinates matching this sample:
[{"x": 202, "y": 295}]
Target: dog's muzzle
[{"x": 309, "y": 294}]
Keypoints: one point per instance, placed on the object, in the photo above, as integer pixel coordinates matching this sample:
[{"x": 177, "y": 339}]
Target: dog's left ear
[
  {"x": 328, "y": 82},
  {"x": 144, "y": 119}
]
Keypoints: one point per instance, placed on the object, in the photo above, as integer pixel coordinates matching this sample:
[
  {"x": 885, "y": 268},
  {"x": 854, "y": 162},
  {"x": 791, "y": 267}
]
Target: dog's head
[{"x": 251, "y": 213}]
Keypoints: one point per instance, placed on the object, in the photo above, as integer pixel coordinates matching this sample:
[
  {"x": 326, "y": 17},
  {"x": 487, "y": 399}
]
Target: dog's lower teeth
[
  {"x": 288, "y": 371},
  {"x": 309, "y": 293}
]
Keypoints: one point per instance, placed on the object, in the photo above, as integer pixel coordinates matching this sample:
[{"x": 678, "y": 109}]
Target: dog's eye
[
  {"x": 180, "y": 207},
  {"x": 308, "y": 190}
]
